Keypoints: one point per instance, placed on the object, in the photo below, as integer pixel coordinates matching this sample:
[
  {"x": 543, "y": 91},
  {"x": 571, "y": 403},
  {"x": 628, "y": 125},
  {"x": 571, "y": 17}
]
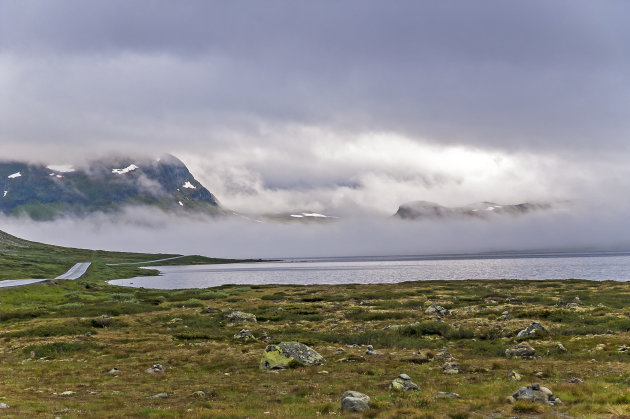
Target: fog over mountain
[{"x": 349, "y": 109}]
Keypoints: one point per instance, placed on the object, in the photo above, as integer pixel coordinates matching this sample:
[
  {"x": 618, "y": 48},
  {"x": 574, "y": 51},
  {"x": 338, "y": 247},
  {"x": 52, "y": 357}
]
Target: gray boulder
[
  {"x": 436, "y": 309},
  {"x": 403, "y": 383},
  {"x": 535, "y": 393},
  {"x": 353, "y": 401},
  {"x": 447, "y": 395},
  {"x": 513, "y": 375},
  {"x": 522, "y": 350},
  {"x": 534, "y": 330},
  {"x": 371, "y": 351},
  {"x": 443, "y": 354},
  {"x": 245, "y": 335},
  {"x": 289, "y": 354},
  {"x": 156, "y": 368},
  {"x": 451, "y": 368},
  {"x": 235, "y": 316}
]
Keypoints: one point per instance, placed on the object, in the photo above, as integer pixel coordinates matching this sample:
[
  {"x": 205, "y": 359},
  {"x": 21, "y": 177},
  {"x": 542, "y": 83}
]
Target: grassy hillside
[{"x": 20, "y": 259}]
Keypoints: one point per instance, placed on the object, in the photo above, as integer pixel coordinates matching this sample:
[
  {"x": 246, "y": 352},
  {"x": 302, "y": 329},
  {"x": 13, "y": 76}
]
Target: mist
[{"x": 142, "y": 230}]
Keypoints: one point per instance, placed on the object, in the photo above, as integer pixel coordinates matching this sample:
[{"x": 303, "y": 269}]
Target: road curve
[{"x": 76, "y": 272}]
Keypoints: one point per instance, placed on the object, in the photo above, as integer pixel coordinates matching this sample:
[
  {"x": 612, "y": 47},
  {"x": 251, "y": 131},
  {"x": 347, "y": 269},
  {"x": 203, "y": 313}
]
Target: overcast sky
[{"x": 335, "y": 106}]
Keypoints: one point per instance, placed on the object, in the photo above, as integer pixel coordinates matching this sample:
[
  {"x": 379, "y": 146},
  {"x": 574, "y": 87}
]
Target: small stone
[
  {"x": 210, "y": 310},
  {"x": 560, "y": 348},
  {"x": 245, "y": 335},
  {"x": 451, "y": 368},
  {"x": 67, "y": 393},
  {"x": 436, "y": 309},
  {"x": 199, "y": 394},
  {"x": 370, "y": 350},
  {"x": 447, "y": 395},
  {"x": 515, "y": 376},
  {"x": 156, "y": 368},
  {"x": 535, "y": 329},
  {"x": 443, "y": 354},
  {"x": 158, "y": 396},
  {"x": 353, "y": 401},
  {"x": 4, "y": 406},
  {"x": 576, "y": 380},
  {"x": 236, "y": 316},
  {"x": 352, "y": 358},
  {"x": 522, "y": 350},
  {"x": 536, "y": 386},
  {"x": 403, "y": 382},
  {"x": 113, "y": 371}
]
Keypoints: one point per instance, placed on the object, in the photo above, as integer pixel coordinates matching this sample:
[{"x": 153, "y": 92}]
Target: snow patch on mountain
[
  {"x": 189, "y": 185},
  {"x": 127, "y": 169},
  {"x": 15, "y": 175}
]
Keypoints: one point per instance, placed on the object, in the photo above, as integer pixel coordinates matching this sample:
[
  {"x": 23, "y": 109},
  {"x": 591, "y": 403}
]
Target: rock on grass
[
  {"x": 353, "y": 401},
  {"x": 288, "y": 355}
]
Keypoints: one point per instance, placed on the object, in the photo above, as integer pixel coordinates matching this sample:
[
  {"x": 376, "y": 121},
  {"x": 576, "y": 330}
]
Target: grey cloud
[
  {"x": 537, "y": 74},
  {"x": 262, "y": 94}
]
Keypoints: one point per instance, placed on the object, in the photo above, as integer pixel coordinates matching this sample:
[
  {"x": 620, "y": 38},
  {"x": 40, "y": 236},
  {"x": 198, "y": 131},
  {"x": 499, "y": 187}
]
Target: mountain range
[
  {"x": 44, "y": 192},
  {"x": 427, "y": 210},
  {"x": 108, "y": 185}
]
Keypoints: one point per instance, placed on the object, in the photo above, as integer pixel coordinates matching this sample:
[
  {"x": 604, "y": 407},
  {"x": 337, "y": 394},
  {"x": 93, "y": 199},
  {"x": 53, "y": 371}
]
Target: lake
[{"x": 598, "y": 266}]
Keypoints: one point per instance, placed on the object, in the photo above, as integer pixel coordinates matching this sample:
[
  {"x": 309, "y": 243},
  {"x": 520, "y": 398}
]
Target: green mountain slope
[
  {"x": 23, "y": 259},
  {"x": 108, "y": 185}
]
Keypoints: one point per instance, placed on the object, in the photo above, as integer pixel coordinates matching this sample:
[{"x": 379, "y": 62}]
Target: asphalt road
[{"x": 76, "y": 272}]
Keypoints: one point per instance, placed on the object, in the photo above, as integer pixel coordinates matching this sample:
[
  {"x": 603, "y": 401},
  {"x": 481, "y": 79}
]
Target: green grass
[{"x": 85, "y": 328}]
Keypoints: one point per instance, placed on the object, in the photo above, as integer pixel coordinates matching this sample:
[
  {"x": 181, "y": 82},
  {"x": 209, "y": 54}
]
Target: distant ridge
[
  {"x": 426, "y": 210},
  {"x": 44, "y": 192}
]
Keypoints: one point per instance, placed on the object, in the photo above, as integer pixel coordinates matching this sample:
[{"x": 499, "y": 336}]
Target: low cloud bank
[{"x": 151, "y": 231}]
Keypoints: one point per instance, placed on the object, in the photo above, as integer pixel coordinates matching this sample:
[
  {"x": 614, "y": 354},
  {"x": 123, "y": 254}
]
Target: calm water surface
[{"x": 593, "y": 266}]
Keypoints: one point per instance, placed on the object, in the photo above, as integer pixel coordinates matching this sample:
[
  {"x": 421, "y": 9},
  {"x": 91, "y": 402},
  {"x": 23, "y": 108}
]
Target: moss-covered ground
[{"x": 57, "y": 351}]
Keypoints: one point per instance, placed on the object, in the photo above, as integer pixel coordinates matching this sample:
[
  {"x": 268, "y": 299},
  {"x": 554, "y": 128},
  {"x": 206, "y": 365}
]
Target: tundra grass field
[{"x": 85, "y": 348}]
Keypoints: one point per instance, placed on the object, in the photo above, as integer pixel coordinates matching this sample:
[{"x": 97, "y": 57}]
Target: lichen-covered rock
[
  {"x": 532, "y": 331},
  {"x": 403, "y": 383},
  {"x": 245, "y": 335},
  {"x": 513, "y": 375},
  {"x": 353, "y": 401},
  {"x": 236, "y": 316},
  {"x": 536, "y": 393},
  {"x": 288, "y": 355},
  {"x": 522, "y": 350}
]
